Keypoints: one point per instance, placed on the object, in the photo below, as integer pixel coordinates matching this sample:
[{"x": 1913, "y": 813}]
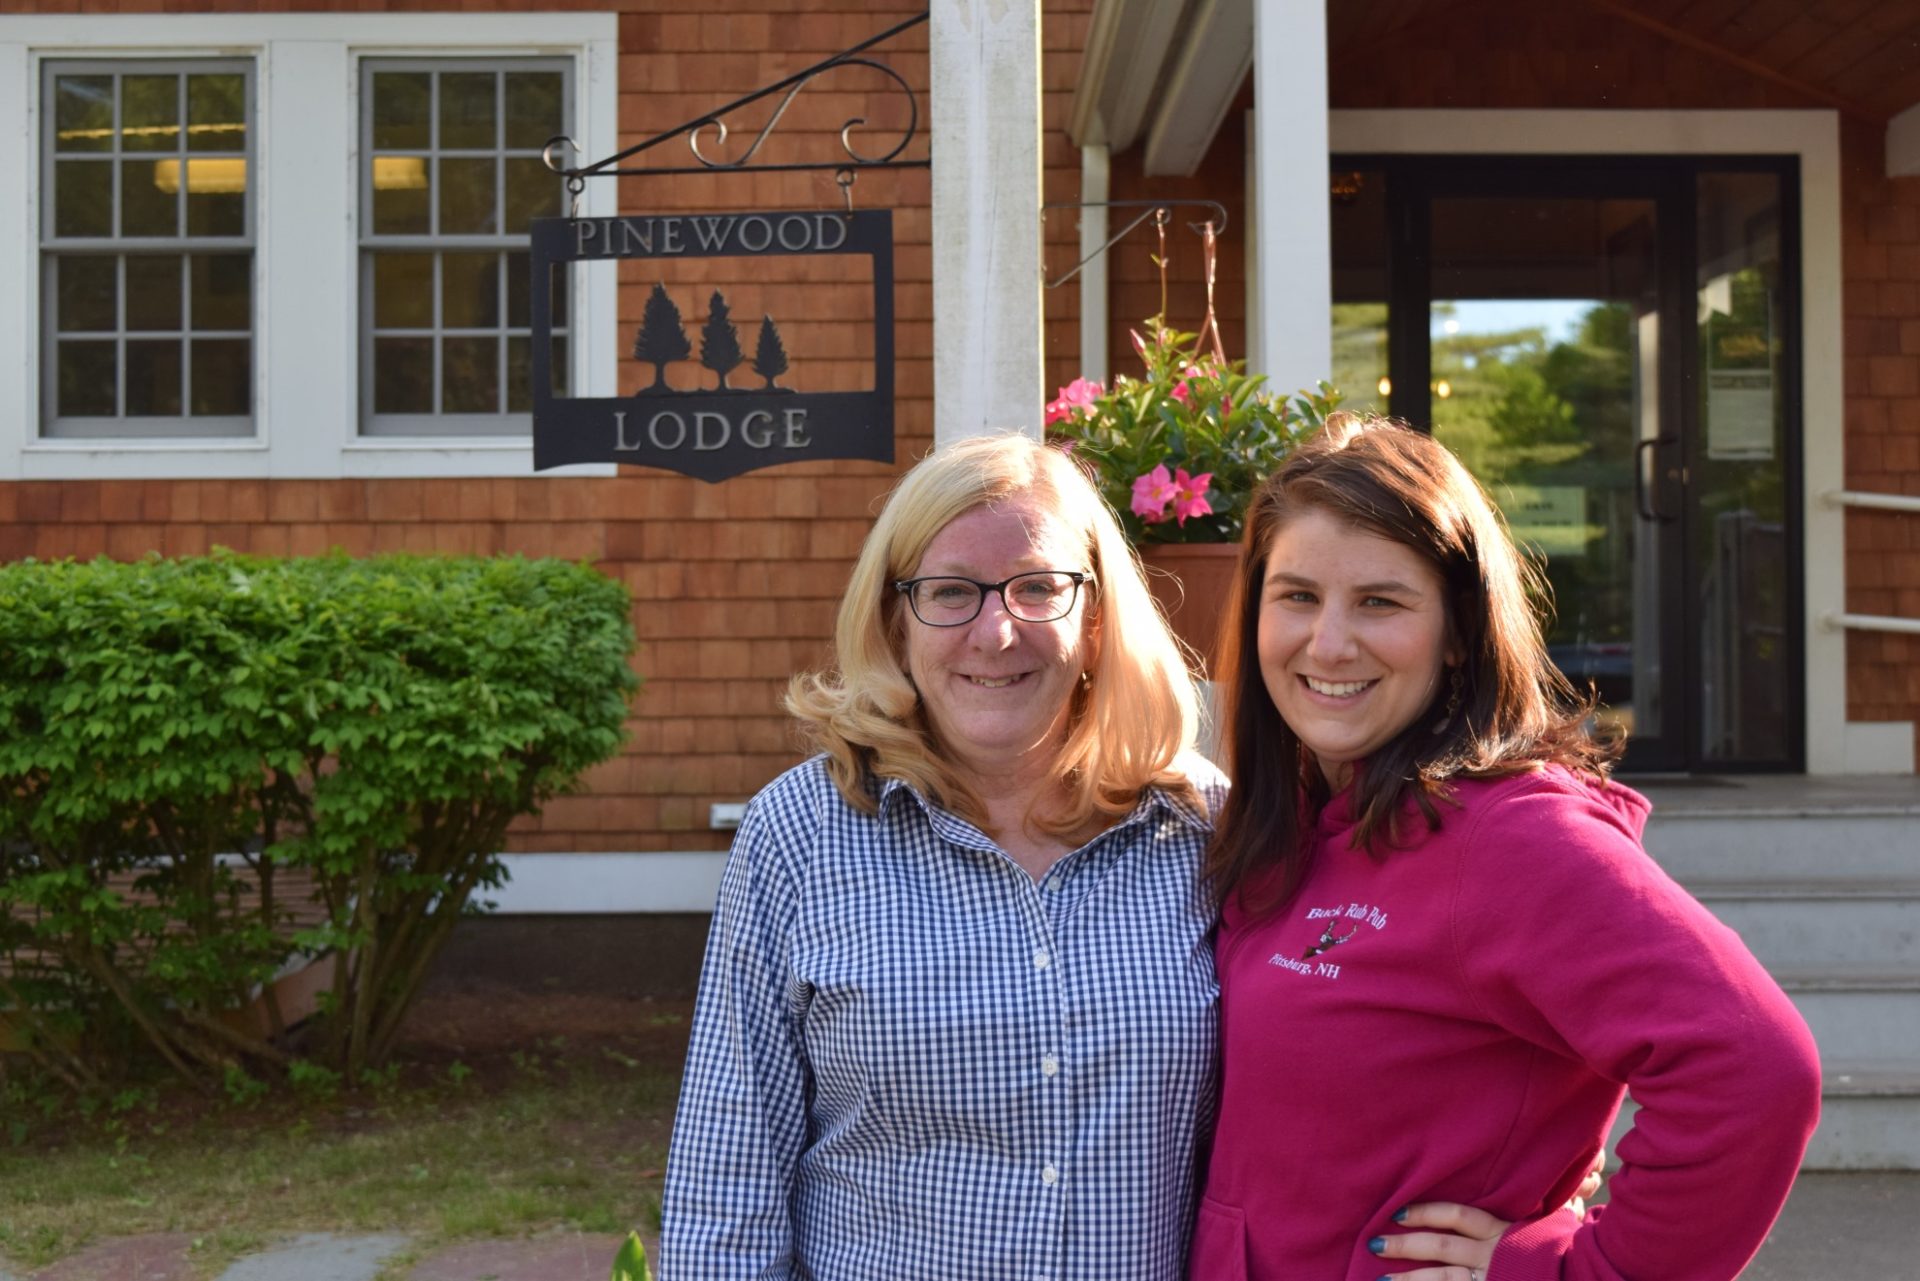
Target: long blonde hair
[{"x": 1130, "y": 721}]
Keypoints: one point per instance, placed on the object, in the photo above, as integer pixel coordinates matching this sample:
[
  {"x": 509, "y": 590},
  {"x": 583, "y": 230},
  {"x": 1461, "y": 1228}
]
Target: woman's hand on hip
[{"x": 1458, "y": 1240}]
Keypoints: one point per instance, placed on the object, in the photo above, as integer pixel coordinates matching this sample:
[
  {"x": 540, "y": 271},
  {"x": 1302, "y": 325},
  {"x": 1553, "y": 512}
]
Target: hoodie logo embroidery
[
  {"x": 1328, "y": 938},
  {"x": 1340, "y": 925}
]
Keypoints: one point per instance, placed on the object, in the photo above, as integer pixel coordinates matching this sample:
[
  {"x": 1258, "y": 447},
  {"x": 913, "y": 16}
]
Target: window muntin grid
[
  {"x": 147, "y": 248},
  {"x": 451, "y": 178}
]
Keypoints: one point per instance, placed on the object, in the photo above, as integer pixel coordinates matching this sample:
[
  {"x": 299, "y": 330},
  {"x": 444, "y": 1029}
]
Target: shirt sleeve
[
  {"x": 737, "y": 1135},
  {"x": 1570, "y": 936}
]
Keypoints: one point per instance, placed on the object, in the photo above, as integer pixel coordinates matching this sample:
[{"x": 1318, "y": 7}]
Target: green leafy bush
[{"x": 211, "y": 768}]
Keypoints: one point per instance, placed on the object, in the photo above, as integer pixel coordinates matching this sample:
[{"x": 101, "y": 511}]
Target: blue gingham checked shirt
[{"x": 910, "y": 1060}]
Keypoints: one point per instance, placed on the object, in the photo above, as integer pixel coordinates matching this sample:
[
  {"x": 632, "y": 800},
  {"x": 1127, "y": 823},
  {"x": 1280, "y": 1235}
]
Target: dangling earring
[{"x": 1453, "y": 702}]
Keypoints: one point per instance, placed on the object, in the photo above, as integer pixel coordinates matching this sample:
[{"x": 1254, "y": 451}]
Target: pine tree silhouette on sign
[
  {"x": 662, "y": 338},
  {"x": 720, "y": 341},
  {"x": 770, "y": 357}
]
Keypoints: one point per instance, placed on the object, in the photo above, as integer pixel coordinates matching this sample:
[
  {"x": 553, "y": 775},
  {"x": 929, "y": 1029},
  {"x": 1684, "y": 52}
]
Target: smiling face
[
  {"x": 1353, "y": 638},
  {"x": 995, "y": 690}
]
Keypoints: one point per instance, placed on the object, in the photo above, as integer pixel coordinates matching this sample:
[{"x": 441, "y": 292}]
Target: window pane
[
  {"x": 88, "y": 293},
  {"x": 216, "y": 199},
  {"x": 147, "y": 201},
  {"x": 222, "y": 291},
  {"x": 400, "y": 196},
  {"x": 153, "y": 378},
  {"x": 519, "y": 375},
  {"x": 532, "y": 192},
  {"x": 222, "y": 376},
  {"x": 83, "y": 198},
  {"x": 469, "y": 291},
  {"x": 150, "y": 113},
  {"x": 216, "y": 113},
  {"x": 466, "y": 110},
  {"x": 403, "y": 291},
  {"x": 153, "y": 294},
  {"x": 534, "y": 110},
  {"x": 86, "y": 376},
  {"x": 402, "y": 111},
  {"x": 83, "y": 113},
  {"x": 403, "y": 375},
  {"x": 519, "y": 289},
  {"x": 466, "y": 196},
  {"x": 520, "y": 372},
  {"x": 470, "y": 376}
]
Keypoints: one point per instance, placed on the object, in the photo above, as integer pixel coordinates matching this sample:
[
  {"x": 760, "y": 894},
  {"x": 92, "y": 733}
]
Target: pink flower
[
  {"x": 1151, "y": 494},
  {"x": 1140, "y": 345},
  {"x": 1183, "y": 392},
  {"x": 1190, "y": 494},
  {"x": 1075, "y": 396}
]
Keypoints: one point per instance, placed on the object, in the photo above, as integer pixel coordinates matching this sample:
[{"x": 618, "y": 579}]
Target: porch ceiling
[{"x": 1160, "y": 69}]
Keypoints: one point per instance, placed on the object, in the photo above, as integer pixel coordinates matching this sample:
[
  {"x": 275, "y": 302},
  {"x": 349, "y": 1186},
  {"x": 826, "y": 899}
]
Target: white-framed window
[
  {"x": 145, "y": 332},
  {"x": 453, "y": 177},
  {"x": 146, "y": 249}
]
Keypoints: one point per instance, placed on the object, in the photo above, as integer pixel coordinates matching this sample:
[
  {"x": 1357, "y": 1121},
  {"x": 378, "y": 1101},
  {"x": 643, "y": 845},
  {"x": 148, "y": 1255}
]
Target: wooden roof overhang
[{"x": 1165, "y": 72}]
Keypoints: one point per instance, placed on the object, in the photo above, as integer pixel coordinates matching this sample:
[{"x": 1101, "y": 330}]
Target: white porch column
[
  {"x": 985, "y": 104},
  {"x": 1095, "y": 185},
  {"x": 1903, "y": 143},
  {"x": 1294, "y": 263}
]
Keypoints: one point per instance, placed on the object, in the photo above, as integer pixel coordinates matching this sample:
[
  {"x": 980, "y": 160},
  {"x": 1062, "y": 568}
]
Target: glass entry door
[{"x": 1605, "y": 347}]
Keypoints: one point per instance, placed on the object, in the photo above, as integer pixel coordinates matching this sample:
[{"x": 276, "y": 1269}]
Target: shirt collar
[{"x": 1154, "y": 799}]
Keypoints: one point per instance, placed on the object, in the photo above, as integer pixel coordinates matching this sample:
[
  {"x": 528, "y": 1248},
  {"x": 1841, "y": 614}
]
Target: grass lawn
[{"x": 506, "y": 1115}]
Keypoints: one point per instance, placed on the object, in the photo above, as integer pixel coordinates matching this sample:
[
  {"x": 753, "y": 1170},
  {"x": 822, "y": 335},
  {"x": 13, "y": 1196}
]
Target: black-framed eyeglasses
[{"x": 1040, "y": 596}]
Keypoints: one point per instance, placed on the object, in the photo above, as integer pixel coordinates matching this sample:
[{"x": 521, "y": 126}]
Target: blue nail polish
[
  {"x": 1400, "y": 1215},
  {"x": 1377, "y": 1245}
]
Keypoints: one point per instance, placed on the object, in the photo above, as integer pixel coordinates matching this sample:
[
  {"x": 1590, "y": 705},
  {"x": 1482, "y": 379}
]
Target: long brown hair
[{"x": 1516, "y": 711}]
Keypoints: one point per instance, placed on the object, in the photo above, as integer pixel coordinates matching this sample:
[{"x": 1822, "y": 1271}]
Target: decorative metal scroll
[
  {"x": 719, "y": 431},
  {"x": 789, "y": 88}
]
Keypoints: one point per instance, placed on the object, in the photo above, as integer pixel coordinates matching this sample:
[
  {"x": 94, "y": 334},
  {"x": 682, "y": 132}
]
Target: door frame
[
  {"x": 1669, "y": 184},
  {"x": 1828, "y": 744}
]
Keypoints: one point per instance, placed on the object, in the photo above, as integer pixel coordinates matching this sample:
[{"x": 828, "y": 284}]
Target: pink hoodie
[{"x": 1455, "y": 1021}]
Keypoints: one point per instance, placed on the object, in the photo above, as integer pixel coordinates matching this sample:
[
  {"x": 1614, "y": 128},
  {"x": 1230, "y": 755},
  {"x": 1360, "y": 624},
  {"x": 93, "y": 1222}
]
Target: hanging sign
[{"x": 752, "y": 410}]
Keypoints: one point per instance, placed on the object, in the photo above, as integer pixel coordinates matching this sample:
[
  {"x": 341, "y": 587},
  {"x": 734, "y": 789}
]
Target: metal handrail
[
  {"x": 1877, "y": 502},
  {"x": 1874, "y": 623}
]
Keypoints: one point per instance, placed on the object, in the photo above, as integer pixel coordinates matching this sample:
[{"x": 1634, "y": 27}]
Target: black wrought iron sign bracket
[
  {"x": 613, "y": 167},
  {"x": 718, "y": 429}
]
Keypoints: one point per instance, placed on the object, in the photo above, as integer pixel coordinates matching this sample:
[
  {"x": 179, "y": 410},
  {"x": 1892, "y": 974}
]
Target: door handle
[{"x": 1643, "y": 493}]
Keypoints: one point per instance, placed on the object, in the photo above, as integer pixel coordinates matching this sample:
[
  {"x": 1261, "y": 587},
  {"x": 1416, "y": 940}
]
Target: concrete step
[
  {"x": 1759, "y": 846},
  {"x": 1872, "y": 1022},
  {"x": 1869, "y": 1120},
  {"x": 1867, "y": 1131},
  {"x": 1818, "y": 934}
]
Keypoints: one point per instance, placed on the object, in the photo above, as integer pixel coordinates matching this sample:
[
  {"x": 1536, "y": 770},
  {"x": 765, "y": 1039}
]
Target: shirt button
[
  {"x": 1040, "y": 958},
  {"x": 1049, "y": 1175},
  {"x": 1053, "y": 885},
  {"x": 1049, "y": 1066}
]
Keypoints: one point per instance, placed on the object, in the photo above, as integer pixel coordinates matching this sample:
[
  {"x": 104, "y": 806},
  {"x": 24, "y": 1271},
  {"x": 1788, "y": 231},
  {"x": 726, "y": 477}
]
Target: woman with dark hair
[{"x": 1443, "y": 951}]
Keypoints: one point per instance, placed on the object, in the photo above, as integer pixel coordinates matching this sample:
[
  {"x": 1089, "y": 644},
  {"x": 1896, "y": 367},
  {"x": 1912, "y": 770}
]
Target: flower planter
[{"x": 1193, "y": 582}]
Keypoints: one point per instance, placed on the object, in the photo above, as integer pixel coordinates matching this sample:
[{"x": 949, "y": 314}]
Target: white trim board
[
  {"x": 568, "y": 884},
  {"x": 306, "y": 381},
  {"x": 1812, "y": 136}
]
